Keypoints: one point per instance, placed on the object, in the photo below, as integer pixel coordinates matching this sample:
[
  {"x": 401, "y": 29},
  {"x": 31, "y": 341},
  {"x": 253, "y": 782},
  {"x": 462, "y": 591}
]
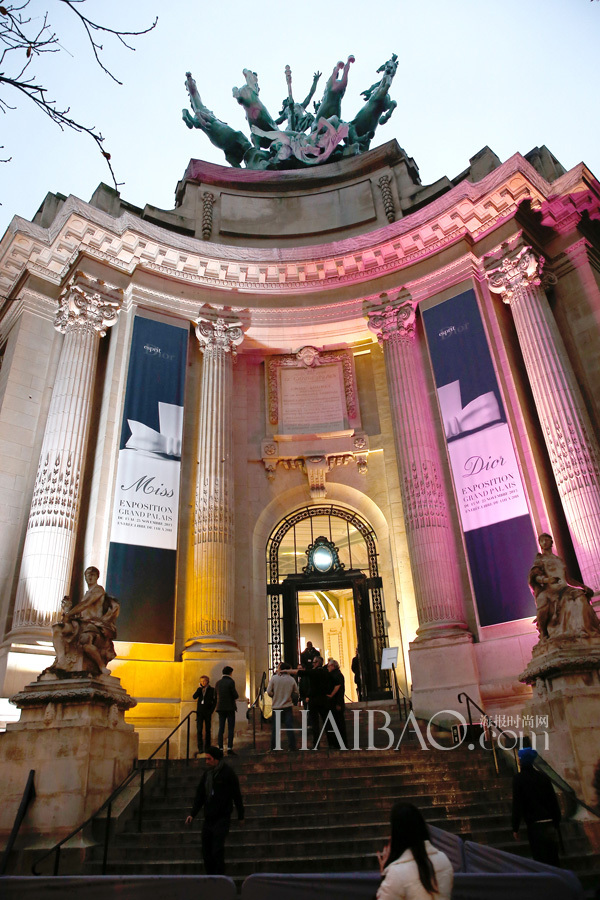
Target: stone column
[
  {"x": 514, "y": 273},
  {"x": 441, "y": 657},
  {"x": 433, "y": 552},
  {"x": 209, "y": 610},
  {"x": 87, "y": 307}
]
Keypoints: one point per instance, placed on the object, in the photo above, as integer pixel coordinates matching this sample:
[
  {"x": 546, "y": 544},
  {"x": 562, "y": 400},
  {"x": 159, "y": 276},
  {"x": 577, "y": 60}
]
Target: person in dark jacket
[
  {"x": 337, "y": 703},
  {"x": 205, "y": 707},
  {"x": 534, "y": 801},
  {"x": 226, "y": 708},
  {"x": 355, "y": 666},
  {"x": 218, "y": 791},
  {"x": 318, "y": 700}
]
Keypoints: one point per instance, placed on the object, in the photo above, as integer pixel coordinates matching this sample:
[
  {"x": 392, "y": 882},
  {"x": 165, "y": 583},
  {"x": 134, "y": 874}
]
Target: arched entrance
[{"x": 338, "y": 606}]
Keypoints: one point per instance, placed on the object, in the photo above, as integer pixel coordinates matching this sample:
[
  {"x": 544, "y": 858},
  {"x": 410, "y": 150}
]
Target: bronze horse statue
[
  {"x": 377, "y": 109},
  {"x": 234, "y": 144}
]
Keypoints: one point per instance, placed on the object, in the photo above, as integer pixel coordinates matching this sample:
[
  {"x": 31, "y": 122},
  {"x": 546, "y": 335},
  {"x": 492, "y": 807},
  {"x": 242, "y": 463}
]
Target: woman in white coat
[{"x": 412, "y": 868}]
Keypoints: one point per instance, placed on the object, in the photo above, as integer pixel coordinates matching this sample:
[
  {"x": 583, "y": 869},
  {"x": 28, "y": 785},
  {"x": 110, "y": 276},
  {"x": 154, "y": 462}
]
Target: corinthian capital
[
  {"x": 392, "y": 319},
  {"x": 218, "y": 334},
  {"x": 87, "y": 304},
  {"x": 513, "y": 270}
]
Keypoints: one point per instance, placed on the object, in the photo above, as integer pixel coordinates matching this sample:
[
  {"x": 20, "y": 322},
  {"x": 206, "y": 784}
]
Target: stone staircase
[{"x": 328, "y": 811}]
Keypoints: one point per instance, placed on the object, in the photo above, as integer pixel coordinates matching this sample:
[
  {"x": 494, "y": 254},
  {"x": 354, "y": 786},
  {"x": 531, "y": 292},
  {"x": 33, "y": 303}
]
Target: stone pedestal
[
  {"x": 565, "y": 675},
  {"x": 73, "y": 734}
]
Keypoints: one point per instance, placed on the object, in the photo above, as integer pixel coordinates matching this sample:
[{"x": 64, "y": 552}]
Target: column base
[
  {"x": 211, "y": 644},
  {"x": 442, "y": 666}
]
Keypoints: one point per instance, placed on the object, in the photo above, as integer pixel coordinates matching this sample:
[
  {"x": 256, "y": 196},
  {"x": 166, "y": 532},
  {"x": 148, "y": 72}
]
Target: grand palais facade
[{"x": 330, "y": 404}]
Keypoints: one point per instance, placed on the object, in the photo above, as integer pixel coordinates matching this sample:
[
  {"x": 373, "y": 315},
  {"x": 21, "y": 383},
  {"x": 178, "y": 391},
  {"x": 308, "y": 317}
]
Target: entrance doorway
[
  {"x": 319, "y": 590},
  {"x": 326, "y": 618}
]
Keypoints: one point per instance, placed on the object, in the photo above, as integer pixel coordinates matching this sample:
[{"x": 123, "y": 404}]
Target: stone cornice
[{"x": 129, "y": 243}]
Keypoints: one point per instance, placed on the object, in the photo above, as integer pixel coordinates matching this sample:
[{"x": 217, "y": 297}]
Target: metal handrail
[
  {"x": 405, "y": 702},
  {"x": 254, "y": 705},
  {"x": 139, "y": 768},
  {"x": 554, "y": 777},
  {"x": 28, "y": 795},
  {"x": 488, "y": 723}
]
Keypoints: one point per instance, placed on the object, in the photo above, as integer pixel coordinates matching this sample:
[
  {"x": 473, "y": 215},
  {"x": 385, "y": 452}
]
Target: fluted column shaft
[
  {"x": 86, "y": 309},
  {"x": 566, "y": 425},
  {"x": 434, "y": 557},
  {"x": 209, "y": 611}
]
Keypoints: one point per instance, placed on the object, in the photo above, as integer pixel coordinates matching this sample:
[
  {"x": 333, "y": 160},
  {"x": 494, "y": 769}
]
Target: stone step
[
  {"x": 326, "y": 811},
  {"x": 367, "y": 797},
  {"x": 239, "y": 869},
  {"x": 445, "y": 791}
]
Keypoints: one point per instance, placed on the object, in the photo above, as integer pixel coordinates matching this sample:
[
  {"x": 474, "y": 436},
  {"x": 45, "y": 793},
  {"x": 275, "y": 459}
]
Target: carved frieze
[
  {"x": 130, "y": 242},
  {"x": 316, "y": 466}
]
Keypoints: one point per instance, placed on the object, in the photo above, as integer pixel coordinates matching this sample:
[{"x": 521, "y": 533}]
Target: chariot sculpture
[{"x": 308, "y": 138}]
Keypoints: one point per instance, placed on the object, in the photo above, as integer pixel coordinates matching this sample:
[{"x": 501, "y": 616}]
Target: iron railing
[
  {"x": 404, "y": 705},
  {"x": 258, "y": 703},
  {"x": 489, "y": 726},
  {"x": 28, "y": 795}
]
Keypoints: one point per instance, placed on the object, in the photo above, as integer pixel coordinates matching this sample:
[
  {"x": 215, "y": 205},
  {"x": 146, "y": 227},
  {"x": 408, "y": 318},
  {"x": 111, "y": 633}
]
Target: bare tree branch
[{"x": 22, "y": 39}]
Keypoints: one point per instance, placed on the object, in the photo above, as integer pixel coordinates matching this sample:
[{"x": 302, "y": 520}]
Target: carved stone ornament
[
  {"x": 208, "y": 201},
  {"x": 104, "y": 690},
  {"x": 387, "y": 197},
  {"x": 560, "y": 658},
  {"x": 310, "y": 357},
  {"x": 56, "y": 492},
  {"x": 88, "y": 304},
  {"x": 315, "y": 467},
  {"x": 219, "y": 335},
  {"x": 391, "y": 320},
  {"x": 517, "y": 271}
]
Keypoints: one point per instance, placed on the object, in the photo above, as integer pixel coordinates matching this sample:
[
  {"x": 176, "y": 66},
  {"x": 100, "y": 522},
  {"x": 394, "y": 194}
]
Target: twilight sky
[{"x": 511, "y": 74}]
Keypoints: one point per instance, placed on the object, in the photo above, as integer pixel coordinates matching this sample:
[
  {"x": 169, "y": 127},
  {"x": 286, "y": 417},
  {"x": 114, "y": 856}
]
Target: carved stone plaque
[{"x": 312, "y": 400}]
